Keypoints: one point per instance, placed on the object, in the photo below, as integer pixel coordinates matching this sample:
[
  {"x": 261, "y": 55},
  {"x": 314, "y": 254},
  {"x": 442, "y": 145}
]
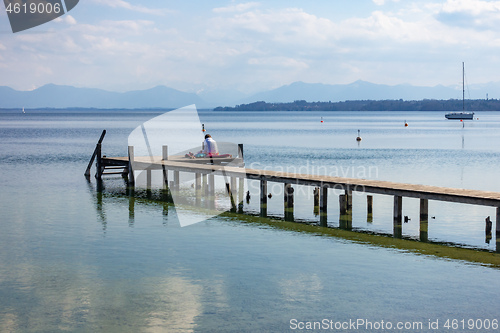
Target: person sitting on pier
[
  {"x": 209, "y": 149},
  {"x": 210, "y": 146}
]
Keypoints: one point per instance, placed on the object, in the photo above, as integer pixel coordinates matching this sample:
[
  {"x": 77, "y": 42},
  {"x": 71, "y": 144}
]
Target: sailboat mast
[{"x": 463, "y": 86}]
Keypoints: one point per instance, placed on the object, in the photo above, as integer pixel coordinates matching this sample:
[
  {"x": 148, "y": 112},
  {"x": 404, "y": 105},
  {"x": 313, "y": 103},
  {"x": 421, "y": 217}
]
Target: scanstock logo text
[{"x": 26, "y": 14}]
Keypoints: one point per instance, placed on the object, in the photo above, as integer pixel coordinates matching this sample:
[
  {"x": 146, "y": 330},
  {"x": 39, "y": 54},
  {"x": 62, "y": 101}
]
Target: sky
[{"x": 252, "y": 46}]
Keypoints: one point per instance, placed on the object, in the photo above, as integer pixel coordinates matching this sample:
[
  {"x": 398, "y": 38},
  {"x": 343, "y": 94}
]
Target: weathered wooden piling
[
  {"x": 424, "y": 220},
  {"x": 99, "y": 168},
  {"x": 323, "y": 206},
  {"x": 348, "y": 193},
  {"x": 240, "y": 151},
  {"x": 177, "y": 180},
  {"x": 343, "y": 204},
  {"x": 164, "y": 157},
  {"x": 97, "y": 153},
  {"x": 369, "y": 208},
  {"x": 288, "y": 202},
  {"x": 211, "y": 185},
  {"x": 316, "y": 201},
  {"x": 131, "y": 158},
  {"x": 197, "y": 188},
  {"x": 488, "y": 226},
  {"x": 204, "y": 185},
  {"x": 497, "y": 231},
  {"x": 231, "y": 197},
  {"x": 131, "y": 209},
  {"x": 263, "y": 198},
  {"x": 234, "y": 189},
  {"x": 398, "y": 214},
  {"x": 164, "y": 153},
  {"x": 241, "y": 191},
  {"x": 316, "y": 196}
]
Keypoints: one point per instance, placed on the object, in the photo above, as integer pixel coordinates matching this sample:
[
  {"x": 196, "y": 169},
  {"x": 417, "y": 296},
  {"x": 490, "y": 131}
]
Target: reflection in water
[
  {"x": 9, "y": 323},
  {"x": 302, "y": 288},
  {"x": 65, "y": 299},
  {"x": 209, "y": 205},
  {"x": 178, "y": 303}
]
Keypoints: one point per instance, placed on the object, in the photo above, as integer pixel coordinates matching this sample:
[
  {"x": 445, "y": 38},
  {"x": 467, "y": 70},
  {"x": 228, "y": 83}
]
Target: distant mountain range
[
  {"x": 54, "y": 96},
  {"x": 58, "y": 96}
]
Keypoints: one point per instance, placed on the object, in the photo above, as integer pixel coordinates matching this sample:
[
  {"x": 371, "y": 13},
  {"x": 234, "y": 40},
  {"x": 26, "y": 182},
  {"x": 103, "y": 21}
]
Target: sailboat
[{"x": 461, "y": 115}]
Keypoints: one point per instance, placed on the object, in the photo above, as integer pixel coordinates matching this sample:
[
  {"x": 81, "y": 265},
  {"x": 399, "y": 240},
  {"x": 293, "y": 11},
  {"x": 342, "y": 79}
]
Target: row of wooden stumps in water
[{"x": 345, "y": 205}]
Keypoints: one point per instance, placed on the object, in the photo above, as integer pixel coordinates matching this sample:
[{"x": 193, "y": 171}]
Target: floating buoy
[
  {"x": 406, "y": 124},
  {"x": 321, "y": 119},
  {"x": 203, "y": 128},
  {"x": 359, "y": 137}
]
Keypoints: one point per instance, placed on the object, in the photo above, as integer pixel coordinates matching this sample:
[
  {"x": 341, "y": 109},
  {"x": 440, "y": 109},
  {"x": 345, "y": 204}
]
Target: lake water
[{"x": 72, "y": 259}]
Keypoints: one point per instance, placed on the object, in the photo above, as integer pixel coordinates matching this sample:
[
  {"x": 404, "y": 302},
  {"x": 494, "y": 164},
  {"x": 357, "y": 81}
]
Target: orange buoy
[
  {"x": 321, "y": 119},
  {"x": 203, "y": 128},
  {"x": 406, "y": 124}
]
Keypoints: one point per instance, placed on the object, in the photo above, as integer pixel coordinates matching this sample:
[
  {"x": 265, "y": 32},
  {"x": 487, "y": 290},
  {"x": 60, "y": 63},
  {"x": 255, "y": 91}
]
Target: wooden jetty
[{"x": 234, "y": 169}]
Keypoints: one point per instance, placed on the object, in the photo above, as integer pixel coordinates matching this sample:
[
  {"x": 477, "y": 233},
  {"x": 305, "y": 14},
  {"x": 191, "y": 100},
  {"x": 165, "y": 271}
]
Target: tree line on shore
[{"x": 371, "y": 105}]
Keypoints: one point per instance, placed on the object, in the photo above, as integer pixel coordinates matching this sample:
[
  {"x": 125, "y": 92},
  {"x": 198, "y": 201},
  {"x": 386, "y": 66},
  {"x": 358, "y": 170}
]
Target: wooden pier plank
[{"x": 477, "y": 197}]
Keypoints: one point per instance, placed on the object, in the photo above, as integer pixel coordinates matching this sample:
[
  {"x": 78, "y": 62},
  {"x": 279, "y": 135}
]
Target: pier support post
[
  {"x": 131, "y": 179},
  {"x": 263, "y": 198},
  {"x": 211, "y": 191},
  {"x": 398, "y": 214},
  {"x": 348, "y": 193},
  {"x": 343, "y": 204},
  {"x": 148, "y": 180},
  {"x": 240, "y": 151},
  {"x": 131, "y": 209},
  {"x": 241, "y": 190},
  {"x": 231, "y": 189},
  {"x": 99, "y": 168},
  {"x": 288, "y": 198},
  {"x": 497, "y": 229},
  {"x": 369, "y": 208},
  {"x": 231, "y": 197},
  {"x": 316, "y": 201},
  {"x": 204, "y": 185},
  {"x": 164, "y": 153},
  {"x": 177, "y": 181},
  {"x": 323, "y": 206},
  {"x": 345, "y": 217},
  {"x": 164, "y": 157},
  {"x": 197, "y": 187},
  {"x": 424, "y": 220},
  {"x": 211, "y": 185}
]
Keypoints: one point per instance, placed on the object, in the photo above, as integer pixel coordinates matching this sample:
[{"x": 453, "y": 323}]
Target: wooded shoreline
[{"x": 371, "y": 105}]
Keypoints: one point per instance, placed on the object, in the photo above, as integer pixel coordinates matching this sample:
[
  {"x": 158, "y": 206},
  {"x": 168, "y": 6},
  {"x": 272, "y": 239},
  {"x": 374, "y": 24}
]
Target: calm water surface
[{"x": 74, "y": 260}]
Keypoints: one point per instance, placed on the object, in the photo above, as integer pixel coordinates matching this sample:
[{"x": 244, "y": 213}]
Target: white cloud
[
  {"x": 280, "y": 62},
  {"x": 68, "y": 19},
  {"x": 236, "y": 8},
  {"x": 126, "y": 5},
  {"x": 475, "y": 14},
  {"x": 382, "y": 2}
]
